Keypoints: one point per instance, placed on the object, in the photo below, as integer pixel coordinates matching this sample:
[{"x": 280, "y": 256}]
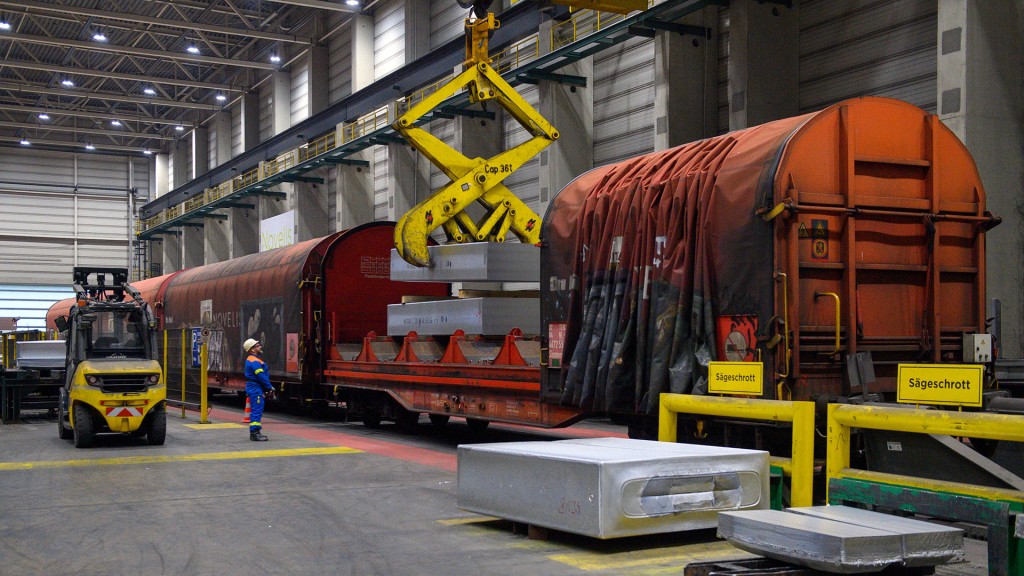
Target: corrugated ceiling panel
[
  {"x": 388, "y": 38},
  {"x": 300, "y": 91},
  {"x": 624, "y": 101},
  {"x": 868, "y": 47}
]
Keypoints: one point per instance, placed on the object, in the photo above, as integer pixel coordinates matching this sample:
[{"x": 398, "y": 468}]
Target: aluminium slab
[
  {"x": 924, "y": 543},
  {"x": 474, "y": 262},
  {"x": 610, "y": 487},
  {"x": 486, "y": 316},
  {"x": 40, "y": 354},
  {"x": 817, "y": 543}
]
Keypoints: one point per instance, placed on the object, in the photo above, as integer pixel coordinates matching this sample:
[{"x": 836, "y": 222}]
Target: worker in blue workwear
[{"x": 257, "y": 386}]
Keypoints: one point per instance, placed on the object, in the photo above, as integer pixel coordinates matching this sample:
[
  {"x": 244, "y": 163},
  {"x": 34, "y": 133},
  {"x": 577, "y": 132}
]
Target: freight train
[{"x": 802, "y": 243}]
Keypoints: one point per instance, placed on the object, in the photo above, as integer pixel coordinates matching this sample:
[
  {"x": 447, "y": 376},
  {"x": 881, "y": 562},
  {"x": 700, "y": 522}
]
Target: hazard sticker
[
  {"x": 802, "y": 231},
  {"x": 124, "y": 411},
  {"x": 819, "y": 239}
]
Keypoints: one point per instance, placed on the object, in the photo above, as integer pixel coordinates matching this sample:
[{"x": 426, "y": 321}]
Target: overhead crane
[{"x": 167, "y": 212}]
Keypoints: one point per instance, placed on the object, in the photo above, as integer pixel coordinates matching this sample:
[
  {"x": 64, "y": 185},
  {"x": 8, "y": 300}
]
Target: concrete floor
[{"x": 319, "y": 498}]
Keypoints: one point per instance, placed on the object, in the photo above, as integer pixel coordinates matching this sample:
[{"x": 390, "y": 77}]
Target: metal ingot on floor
[{"x": 610, "y": 487}]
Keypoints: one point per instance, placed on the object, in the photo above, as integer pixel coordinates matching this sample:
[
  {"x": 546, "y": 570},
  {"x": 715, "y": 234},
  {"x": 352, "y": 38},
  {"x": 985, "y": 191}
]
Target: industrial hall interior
[{"x": 512, "y": 287}]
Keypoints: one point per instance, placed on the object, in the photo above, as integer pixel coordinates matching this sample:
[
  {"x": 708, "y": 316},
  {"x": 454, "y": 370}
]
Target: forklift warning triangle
[{"x": 803, "y": 231}]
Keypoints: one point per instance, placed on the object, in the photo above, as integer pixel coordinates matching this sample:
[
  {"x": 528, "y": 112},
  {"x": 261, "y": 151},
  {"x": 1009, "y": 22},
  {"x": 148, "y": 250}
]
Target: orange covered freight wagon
[{"x": 800, "y": 242}]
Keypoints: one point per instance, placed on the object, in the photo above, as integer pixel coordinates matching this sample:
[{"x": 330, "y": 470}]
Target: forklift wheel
[
  {"x": 63, "y": 432},
  {"x": 83, "y": 427},
  {"x": 157, "y": 427}
]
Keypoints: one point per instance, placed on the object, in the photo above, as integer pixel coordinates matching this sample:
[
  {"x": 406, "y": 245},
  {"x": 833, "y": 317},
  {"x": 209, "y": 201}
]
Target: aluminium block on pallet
[
  {"x": 474, "y": 262},
  {"x": 818, "y": 543},
  {"x": 924, "y": 543},
  {"x": 610, "y": 487},
  {"x": 486, "y": 316}
]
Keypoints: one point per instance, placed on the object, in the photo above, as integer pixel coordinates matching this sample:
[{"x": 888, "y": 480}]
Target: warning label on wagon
[
  {"x": 945, "y": 384},
  {"x": 745, "y": 378}
]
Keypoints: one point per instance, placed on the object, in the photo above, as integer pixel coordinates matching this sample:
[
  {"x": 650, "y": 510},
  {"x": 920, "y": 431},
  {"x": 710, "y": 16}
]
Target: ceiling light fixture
[
  {"x": 5, "y": 25},
  {"x": 149, "y": 92},
  {"x": 352, "y": 2},
  {"x": 192, "y": 49},
  {"x": 89, "y": 146},
  {"x": 25, "y": 142},
  {"x": 115, "y": 122},
  {"x": 147, "y": 152},
  {"x": 44, "y": 116},
  {"x": 220, "y": 97},
  {"x": 67, "y": 82},
  {"x": 99, "y": 37},
  {"x": 275, "y": 58},
  {"x": 179, "y": 128}
]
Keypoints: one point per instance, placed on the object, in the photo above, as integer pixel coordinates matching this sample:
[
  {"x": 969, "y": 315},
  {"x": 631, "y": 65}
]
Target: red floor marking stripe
[{"x": 336, "y": 438}]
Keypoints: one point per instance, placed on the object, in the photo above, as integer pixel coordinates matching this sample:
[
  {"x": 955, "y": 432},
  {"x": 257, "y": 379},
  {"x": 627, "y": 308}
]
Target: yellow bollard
[
  {"x": 183, "y": 344},
  {"x": 203, "y": 364}
]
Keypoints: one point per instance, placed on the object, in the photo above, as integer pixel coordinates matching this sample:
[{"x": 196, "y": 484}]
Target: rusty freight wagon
[
  {"x": 298, "y": 300},
  {"x": 801, "y": 242}
]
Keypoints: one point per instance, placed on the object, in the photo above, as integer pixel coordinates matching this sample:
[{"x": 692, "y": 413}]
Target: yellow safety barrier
[
  {"x": 800, "y": 467},
  {"x": 843, "y": 417}
]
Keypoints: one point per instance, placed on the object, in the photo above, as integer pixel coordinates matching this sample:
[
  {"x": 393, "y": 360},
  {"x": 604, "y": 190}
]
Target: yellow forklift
[{"x": 112, "y": 380}]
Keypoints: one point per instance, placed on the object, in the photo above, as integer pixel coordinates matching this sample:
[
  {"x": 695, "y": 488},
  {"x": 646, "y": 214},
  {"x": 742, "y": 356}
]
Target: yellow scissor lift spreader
[{"x": 473, "y": 179}]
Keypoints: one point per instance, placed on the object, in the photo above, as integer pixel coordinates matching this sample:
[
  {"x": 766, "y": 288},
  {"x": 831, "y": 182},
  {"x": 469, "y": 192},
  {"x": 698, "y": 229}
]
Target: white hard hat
[{"x": 248, "y": 344}]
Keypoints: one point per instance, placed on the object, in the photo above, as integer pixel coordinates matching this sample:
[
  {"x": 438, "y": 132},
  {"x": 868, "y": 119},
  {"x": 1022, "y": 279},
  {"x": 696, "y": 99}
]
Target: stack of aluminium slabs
[
  {"x": 610, "y": 487},
  {"x": 841, "y": 539},
  {"x": 475, "y": 262}
]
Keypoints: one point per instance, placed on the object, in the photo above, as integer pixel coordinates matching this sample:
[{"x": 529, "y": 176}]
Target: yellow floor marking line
[
  {"x": 134, "y": 460},
  {"x": 470, "y": 520},
  {"x": 679, "y": 556},
  {"x": 221, "y": 426}
]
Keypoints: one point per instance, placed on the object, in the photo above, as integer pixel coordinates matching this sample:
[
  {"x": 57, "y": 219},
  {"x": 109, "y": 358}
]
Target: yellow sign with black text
[
  {"x": 745, "y": 378},
  {"x": 945, "y": 384}
]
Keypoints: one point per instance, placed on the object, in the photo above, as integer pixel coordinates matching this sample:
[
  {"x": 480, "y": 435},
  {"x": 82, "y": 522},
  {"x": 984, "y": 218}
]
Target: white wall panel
[
  {"x": 339, "y": 81},
  {"x": 381, "y": 194},
  {"x": 37, "y": 261},
  {"x": 29, "y": 303},
  {"x": 211, "y": 146},
  {"x": 237, "y": 143},
  {"x": 444, "y": 130},
  {"x": 102, "y": 218},
  {"x": 142, "y": 179},
  {"x": 23, "y": 215},
  {"x": 266, "y": 110},
  {"x": 300, "y": 91},
  {"x": 447, "y": 21},
  {"x": 624, "y": 101},
  {"x": 332, "y": 199},
  {"x": 868, "y": 47},
  {"x": 525, "y": 182},
  {"x": 388, "y": 38},
  {"x": 23, "y": 169}
]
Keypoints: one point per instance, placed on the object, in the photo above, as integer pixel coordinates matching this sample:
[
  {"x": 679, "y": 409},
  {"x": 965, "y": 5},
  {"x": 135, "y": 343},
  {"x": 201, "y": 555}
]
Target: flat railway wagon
[{"x": 799, "y": 243}]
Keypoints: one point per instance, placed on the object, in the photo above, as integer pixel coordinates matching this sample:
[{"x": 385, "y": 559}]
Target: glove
[{"x": 269, "y": 394}]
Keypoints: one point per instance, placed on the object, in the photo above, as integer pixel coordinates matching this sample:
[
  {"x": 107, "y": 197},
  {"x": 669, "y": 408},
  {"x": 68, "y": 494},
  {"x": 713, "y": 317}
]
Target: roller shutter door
[
  {"x": 867, "y": 47},
  {"x": 29, "y": 303},
  {"x": 624, "y": 101}
]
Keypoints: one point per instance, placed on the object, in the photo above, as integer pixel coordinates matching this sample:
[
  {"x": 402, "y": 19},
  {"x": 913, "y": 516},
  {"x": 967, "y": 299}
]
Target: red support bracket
[
  {"x": 366, "y": 353},
  {"x": 406, "y": 354},
  {"x": 453, "y": 353},
  {"x": 509, "y": 354}
]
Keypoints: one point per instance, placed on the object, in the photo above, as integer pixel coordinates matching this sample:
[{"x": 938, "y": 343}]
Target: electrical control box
[{"x": 977, "y": 348}]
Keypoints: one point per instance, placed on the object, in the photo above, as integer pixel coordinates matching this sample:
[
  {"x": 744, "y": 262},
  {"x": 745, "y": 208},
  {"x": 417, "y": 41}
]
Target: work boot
[{"x": 255, "y": 436}]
